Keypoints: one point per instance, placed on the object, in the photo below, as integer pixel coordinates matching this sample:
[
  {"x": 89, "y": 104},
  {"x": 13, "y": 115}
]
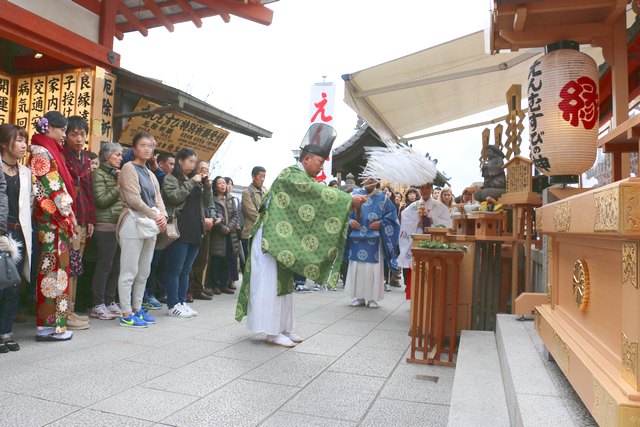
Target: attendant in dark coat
[{"x": 223, "y": 239}]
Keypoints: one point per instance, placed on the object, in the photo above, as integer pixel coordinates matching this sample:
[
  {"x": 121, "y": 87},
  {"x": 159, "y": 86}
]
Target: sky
[{"x": 263, "y": 74}]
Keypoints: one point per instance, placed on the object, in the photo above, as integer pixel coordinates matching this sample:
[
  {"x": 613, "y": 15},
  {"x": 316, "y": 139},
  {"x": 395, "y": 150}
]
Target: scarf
[{"x": 55, "y": 149}]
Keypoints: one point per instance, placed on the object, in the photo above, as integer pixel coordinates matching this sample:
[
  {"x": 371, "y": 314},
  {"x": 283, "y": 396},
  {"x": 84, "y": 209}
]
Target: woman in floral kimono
[{"x": 55, "y": 223}]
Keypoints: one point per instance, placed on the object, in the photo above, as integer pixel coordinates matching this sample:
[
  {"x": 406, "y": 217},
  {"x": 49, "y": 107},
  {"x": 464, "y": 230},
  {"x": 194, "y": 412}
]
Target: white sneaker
[
  {"x": 114, "y": 308},
  {"x": 102, "y": 312},
  {"x": 357, "y": 302},
  {"x": 373, "y": 304},
  {"x": 189, "y": 309},
  {"x": 178, "y": 311}
]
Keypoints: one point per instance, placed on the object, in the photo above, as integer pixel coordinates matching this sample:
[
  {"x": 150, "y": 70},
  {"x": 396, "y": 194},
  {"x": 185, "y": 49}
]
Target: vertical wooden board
[
  {"x": 5, "y": 98},
  {"x": 38, "y": 99},
  {"x": 23, "y": 103},
  {"x": 84, "y": 99},
  {"x": 497, "y": 282},
  {"x": 102, "y": 115},
  {"x": 630, "y": 304},
  {"x": 52, "y": 93},
  {"x": 475, "y": 306},
  {"x": 69, "y": 90}
]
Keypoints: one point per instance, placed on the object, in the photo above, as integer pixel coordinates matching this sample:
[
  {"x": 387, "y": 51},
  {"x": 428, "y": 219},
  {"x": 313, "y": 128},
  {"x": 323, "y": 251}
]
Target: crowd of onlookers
[{"x": 160, "y": 229}]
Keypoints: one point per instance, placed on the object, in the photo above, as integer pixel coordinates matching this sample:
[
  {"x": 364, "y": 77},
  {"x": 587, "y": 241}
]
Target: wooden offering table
[
  {"x": 591, "y": 324},
  {"x": 430, "y": 300},
  {"x": 479, "y": 224}
]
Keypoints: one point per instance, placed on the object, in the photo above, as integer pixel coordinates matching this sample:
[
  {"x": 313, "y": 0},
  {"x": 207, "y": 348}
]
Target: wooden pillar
[
  {"x": 515, "y": 252},
  {"x": 617, "y": 58},
  {"x": 107, "y": 23},
  {"x": 528, "y": 209}
]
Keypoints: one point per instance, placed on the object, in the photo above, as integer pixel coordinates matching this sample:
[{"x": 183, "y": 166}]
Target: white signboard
[{"x": 321, "y": 109}]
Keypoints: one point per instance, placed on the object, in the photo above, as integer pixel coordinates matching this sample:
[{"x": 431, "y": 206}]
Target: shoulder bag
[{"x": 169, "y": 235}]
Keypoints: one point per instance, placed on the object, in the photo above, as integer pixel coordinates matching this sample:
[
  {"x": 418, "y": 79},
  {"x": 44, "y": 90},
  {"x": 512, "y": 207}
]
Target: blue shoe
[
  {"x": 142, "y": 315},
  {"x": 151, "y": 303},
  {"x": 132, "y": 321}
]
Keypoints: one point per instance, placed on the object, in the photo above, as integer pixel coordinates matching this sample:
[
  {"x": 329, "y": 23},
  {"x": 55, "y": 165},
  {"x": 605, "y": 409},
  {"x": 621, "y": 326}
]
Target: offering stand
[{"x": 433, "y": 332}]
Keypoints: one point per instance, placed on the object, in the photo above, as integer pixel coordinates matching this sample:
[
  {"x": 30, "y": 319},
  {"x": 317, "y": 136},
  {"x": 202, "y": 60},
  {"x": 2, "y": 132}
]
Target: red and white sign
[{"x": 323, "y": 97}]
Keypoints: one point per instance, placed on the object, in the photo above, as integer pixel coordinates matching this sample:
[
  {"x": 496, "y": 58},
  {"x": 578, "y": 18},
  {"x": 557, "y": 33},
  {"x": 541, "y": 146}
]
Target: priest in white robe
[{"x": 411, "y": 223}]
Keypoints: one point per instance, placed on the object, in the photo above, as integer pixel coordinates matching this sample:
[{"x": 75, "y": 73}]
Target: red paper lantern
[{"x": 562, "y": 90}]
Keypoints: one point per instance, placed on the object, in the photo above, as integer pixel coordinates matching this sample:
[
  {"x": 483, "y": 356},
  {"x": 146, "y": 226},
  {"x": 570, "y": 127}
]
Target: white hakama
[
  {"x": 267, "y": 312},
  {"x": 365, "y": 280}
]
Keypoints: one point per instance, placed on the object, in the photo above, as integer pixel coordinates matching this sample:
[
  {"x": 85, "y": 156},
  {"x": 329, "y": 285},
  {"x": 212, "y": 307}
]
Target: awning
[{"x": 437, "y": 85}]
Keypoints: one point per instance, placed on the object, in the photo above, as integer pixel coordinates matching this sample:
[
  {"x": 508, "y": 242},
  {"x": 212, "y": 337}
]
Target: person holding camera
[{"x": 187, "y": 193}]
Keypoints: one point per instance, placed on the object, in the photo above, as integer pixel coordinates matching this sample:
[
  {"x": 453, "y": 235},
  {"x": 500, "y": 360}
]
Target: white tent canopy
[{"x": 437, "y": 85}]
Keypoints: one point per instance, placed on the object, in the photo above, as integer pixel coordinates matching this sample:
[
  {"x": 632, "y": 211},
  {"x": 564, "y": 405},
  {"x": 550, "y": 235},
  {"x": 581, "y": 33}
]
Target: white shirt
[{"x": 411, "y": 224}]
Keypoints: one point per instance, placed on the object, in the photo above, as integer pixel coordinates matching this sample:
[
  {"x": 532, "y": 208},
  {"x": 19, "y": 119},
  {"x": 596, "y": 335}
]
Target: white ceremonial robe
[
  {"x": 267, "y": 312},
  {"x": 411, "y": 224},
  {"x": 365, "y": 280}
]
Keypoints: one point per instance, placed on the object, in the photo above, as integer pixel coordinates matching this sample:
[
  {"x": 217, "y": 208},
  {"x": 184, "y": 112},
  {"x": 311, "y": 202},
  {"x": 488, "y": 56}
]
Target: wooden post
[
  {"x": 528, "y": 209},
  {"x": 515, "y": 226},
  {"x": 617, "y": 58}
]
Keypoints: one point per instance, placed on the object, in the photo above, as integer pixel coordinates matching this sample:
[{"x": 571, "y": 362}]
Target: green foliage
[{"x": 432, "y": 244}]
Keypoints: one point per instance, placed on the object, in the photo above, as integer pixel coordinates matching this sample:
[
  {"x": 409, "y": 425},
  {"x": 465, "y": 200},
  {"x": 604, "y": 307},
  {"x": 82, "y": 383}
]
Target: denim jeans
[
  {"x": 155, "y": 285},
  {"x": 179, "y": 258}
]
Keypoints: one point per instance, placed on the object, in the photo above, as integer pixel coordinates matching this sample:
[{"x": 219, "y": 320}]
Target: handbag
[
  {"x": 145, "y": 226},
  {"x": 169, "y": 235},
  {"x": 9, "y": 275},
  {"x": 76, "y": 268}
]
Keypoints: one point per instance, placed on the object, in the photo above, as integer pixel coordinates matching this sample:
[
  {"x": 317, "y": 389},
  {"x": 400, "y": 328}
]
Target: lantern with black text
[{"x": 562, "y": 90}]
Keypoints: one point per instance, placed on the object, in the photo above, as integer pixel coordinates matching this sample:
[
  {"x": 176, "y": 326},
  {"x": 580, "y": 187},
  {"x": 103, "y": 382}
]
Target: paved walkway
[{"x": 211, "y": 371}]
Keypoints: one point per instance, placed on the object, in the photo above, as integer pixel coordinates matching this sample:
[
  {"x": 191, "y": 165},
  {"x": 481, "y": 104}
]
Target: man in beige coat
[{"x": 251, "y": 200}]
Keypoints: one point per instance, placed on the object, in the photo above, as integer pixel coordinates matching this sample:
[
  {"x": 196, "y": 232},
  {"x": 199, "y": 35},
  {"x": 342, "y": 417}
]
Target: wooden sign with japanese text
[
  {"x": 84, "y": 92},
  {"x": 36, "y": 108},
  {"x": 174, "y": 131},
  {"x": 102, "y": 115},
  {"x": 5, "y": 98},
  {"x": 53, "y": 93},
  {"x": 85, "y": 95},
  {"x": 23, "y": 102},
  {"x": 69, "y": 89}
]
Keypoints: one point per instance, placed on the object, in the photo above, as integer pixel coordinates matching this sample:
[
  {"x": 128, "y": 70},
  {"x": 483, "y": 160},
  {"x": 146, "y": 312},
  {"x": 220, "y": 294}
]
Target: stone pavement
[{"x": 210, "y": 371}]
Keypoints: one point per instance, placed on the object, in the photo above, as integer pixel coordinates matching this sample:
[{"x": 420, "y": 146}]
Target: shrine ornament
[
  {"x": 562, "y": 92},
  {"x": 581, "y": 284}
]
